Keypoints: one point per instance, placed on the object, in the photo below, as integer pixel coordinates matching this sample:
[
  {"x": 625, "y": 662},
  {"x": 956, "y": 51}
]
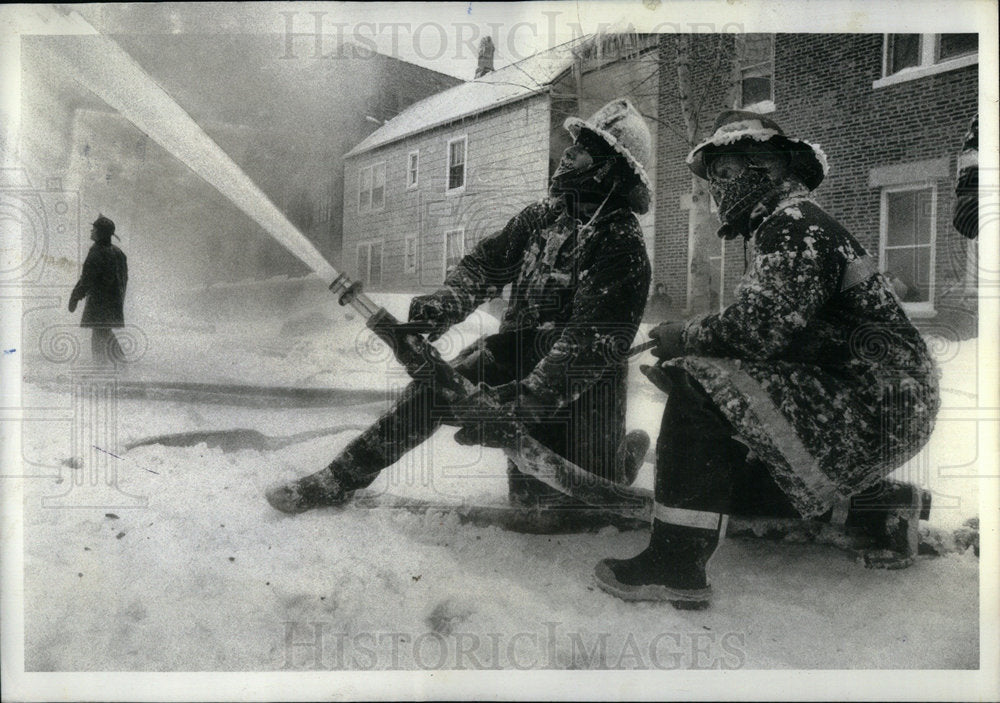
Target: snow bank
[{"x": 206, "y": 576}]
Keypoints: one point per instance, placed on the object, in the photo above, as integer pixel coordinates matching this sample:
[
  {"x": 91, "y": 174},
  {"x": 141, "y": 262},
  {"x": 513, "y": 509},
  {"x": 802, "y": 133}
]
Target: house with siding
[
  {"x": 890, "y": 111},
  {"x": 427, "y": 185}
]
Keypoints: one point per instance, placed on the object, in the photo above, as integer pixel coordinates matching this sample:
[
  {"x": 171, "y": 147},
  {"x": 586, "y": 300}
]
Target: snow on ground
[{"x": 206, "y": 576}]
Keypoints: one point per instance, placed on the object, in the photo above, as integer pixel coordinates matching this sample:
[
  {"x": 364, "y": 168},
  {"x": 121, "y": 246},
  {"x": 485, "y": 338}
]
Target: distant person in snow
[
  {"x": 801, "y": 395},
  {"x": 102, "y": 283},
  {"x": 966, "y": 215},
  {"x": 579, "y": 277}
]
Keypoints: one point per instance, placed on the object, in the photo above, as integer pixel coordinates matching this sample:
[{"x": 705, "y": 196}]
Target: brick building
[
  {"x": 455, "y": 167},
  {"x": 890, "y": 111}
]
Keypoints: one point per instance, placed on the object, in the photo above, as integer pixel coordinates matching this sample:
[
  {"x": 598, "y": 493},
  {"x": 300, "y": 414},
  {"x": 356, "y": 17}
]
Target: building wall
[
  {"x": 633, "y": 77},
  {"x": 392, "y": 86},
  {"x": 673, "y": 183},
  {"x": 823, "y": 93},
  {"x": 506, "y": 169}
]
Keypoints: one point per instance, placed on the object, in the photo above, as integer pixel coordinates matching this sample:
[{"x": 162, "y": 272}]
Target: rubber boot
[
  {"x": 356, "y": 467},
  {"x": 403, "y": 427},
  {"x": 318, "y": 490},
  {"x": 885, "y": 520},
  {"x": 671, "y": 568}
]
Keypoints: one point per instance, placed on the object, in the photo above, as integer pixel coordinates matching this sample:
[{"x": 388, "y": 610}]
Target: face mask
[
  {"x": 585, "y": 184},
  {"x": 737, "y": 197}
]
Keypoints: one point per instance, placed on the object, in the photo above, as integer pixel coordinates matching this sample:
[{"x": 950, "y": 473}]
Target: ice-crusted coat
[
  {"x": 965, "y": 217},
  {"x": 102, "y": 282},
  {"x": 577, "y": 295},
  {"x": 825, "y": 379}
]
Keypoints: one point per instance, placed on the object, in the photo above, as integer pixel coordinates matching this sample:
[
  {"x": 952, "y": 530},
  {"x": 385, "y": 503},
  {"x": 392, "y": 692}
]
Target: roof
[{"x": 511, "y": 83}]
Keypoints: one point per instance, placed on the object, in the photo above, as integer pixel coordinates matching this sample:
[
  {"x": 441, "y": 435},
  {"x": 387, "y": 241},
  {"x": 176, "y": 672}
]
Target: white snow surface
[{"x": 201, "y": 574}]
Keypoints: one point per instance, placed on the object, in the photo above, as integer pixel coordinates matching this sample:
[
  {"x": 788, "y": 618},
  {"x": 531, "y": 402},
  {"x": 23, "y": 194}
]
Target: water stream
[{"x": 108, "y": 71}]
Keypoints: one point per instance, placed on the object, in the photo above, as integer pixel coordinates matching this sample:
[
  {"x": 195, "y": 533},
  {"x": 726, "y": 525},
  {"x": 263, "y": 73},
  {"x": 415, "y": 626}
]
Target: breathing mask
[{"x": 737, "y": 197}]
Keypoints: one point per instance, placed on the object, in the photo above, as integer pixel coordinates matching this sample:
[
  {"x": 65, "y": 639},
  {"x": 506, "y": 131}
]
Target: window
[
  {"x": 909, "y": 56},
  {"x": 456, "y": 164},
  {"x": 378, "y": 187},
  {"x": 951, "y": 46},
  {"x": 755, "y": 53},
  {"x": 454, "y": 248},
  {"x": 410, "y": 255},
  {"x": 371, "y": 188},
  {"x": 365, "y": 189},
  {"x": 906, "y": 251},
  {"x": 903, "y": 51},
  {"x": 370, "y": 263},
  {"x": 412, "y": 169}
]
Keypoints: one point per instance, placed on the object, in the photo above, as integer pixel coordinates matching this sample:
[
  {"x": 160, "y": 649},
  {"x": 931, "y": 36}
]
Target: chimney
[{"x": 485, "y": 63}]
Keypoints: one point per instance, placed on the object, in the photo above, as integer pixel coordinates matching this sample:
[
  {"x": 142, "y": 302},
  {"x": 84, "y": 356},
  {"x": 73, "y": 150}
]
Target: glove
[
  {"x": 72, "y": 304},
  {"x": 669, "y": 337},
  {"x": 490, "y": 415},
  {"x": 430, "y": 308}
]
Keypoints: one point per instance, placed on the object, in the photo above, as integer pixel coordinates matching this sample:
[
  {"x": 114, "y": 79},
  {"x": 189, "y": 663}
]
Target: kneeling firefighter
[
  {"x": 799, "y": 397},
  {"x": 579, "y": 277}
]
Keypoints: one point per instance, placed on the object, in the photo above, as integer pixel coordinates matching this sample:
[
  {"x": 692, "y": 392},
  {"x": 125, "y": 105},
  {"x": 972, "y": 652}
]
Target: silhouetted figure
[{"x": 102, "y": 283}]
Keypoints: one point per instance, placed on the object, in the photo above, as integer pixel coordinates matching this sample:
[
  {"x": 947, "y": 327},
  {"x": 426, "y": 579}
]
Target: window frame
[
  {"x": 375, "y": 169},
  {"x": 923, "y": 308},
  {"x": 361, "y": 182},
  {"x": 412, "y": 169},
  {"x": 365, "y": 276},
  {"x": 929, "y": 62},
  {"x": 922, "y": 46},
  {"x": 444, "y": 247},
  {"x": 407, "y": 268},
  {"x": 448, "y": 190},
  {"x": 761, "y": 106},
  {"x": 370, "y": 169},
  {"x": 937, "y": 48}
]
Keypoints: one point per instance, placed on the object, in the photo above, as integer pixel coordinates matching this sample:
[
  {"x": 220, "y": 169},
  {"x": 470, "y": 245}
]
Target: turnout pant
[
  {"x": 702, "y": 471},
  {"x": 415, "y": 416}
]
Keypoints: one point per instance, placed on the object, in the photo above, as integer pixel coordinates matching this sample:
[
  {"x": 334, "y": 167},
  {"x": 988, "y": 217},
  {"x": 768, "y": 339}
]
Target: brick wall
[
  {"x": 711, "y": 67},
  {"x": 506, "y": 169},
  {"x": 823, "y": 93}
]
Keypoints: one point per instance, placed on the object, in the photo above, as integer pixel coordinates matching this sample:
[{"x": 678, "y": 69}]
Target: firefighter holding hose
[{"x": 579, "y": 276}]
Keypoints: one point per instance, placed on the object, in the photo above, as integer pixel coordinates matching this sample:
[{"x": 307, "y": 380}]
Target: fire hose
[{"x": 423, "y": 362}]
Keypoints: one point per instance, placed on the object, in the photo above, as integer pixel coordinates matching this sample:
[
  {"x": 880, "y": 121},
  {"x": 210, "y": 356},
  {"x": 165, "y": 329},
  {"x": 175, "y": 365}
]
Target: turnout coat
[
  {"x": 102, "y": 283},
  {"x": 578, "y": 291},
  {"x": 815, "y": 364}
]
